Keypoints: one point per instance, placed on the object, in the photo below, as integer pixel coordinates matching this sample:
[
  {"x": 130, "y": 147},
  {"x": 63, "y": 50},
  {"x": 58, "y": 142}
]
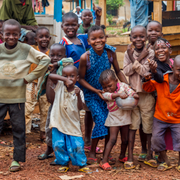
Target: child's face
[
  {"x": 154, "y": 31},
  {"x": 71, "y": 73},
  {"x": 176, "y": 69},
  {"x": 97, "y": 40},
  {"x": 162, "y": 52},
  {"x": 11, "y": 34},
  {"x": 87, "y": 17},
  {"x": 56, "y": 54},
  {"x": 70, "y": 27},
  {"x": 43, "y": 38},
  {"x": 109, "y": 85},
  {"x": 77, "y": 10},
  {"x": 138, "y": 37}
]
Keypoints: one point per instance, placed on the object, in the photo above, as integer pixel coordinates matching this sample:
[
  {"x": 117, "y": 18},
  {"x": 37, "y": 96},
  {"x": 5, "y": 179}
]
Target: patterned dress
[{"x": 95, "y": 66}]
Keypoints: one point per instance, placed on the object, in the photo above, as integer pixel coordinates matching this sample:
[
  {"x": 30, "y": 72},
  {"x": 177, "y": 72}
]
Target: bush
[{"x": 110, "y": 19}]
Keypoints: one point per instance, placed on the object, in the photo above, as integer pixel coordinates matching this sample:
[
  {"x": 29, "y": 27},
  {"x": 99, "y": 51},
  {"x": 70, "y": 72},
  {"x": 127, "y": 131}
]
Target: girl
[
  {"x": 92, "y": 64},
  {"x": 117, "y": 119}
]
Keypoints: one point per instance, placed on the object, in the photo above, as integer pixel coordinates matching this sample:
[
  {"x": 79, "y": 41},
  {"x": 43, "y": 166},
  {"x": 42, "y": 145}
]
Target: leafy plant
[
  {"x": 110, "y": 18},
  {"x": 114, "y": 4}
]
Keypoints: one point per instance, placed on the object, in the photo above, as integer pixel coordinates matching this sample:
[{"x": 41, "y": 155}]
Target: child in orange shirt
[
  {"x": 42, "y": 38},
  {"x": 167, "y": 112}
]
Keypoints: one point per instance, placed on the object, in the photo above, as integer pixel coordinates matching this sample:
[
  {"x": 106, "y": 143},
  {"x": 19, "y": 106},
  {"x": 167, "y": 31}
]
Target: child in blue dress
[{"x": 92, "y": 64}]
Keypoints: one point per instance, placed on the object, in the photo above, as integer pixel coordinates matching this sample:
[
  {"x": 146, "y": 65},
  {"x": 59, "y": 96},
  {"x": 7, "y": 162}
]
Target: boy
[
  {"x": 42, "y": 38},
  {"x": 67, "y": 138},
  {"x": 135, "y": 66},
  {"x": 167, "y": 112},
  {"x": 15, "y": 61},
  {"x": 78, "y": 13},
  {"x": 58, "y": 55}
]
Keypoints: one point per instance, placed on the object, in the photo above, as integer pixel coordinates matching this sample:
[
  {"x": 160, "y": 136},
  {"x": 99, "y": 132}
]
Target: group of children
[{"x": 79, "y": 77}]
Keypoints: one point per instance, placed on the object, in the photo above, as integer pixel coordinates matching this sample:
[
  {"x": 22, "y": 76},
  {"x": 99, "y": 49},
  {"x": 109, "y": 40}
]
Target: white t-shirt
[
  {"x": 65, "y": 113},
  {"x": 79, "y": 17}
]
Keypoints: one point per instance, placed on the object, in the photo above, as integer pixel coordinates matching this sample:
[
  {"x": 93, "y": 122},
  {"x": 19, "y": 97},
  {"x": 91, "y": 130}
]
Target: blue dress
[{"x": 96, "y": 105}]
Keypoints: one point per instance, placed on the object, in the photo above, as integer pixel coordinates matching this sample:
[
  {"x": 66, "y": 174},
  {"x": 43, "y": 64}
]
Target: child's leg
[
  {"x": 150, "y": 153},
  {"x": 3, "y": 112},
  {"x": 124, "y": 140},
  {"x": 132, "y": 134},
  {"x": 92, "y": 153},
  {"x": 143, "y": 139},
  {"x": 112, "y": 141},
  {"x": 88, "y": 128}
]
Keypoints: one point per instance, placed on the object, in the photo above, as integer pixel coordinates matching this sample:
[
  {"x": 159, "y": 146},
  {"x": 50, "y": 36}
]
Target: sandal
[
  {"x": 63, "y": 169},
  {"x": 85, "y": 170},
  {"x": 105, "y": 166},
  {"x": 129, "y": 165},
  {"x": 151, "y": 162},
  {"x": 178, "y": 168},
  {"x": 15, "y": 166},
  {"x": 156, "y": 157},
  {"x": 163, "y": 167},
  {"x": 45, "y": 156},
  {"x": 91, "y": 161},
  {"x": 142, "y": 157},
  {"x": 111, "y": 160},
  {"x": 53, "y": 163},
  {"x": 98, "y": 150},
  {"x": 123, "y": 160}
]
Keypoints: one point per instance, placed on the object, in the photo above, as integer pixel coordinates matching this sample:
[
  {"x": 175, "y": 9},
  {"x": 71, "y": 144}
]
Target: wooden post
[
  {"x": 102, "y": 4},
  {"x": 158, "y": 11},
  {"x": 170, "y": 5}
]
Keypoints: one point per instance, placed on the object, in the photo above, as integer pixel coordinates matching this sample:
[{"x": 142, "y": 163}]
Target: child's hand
[
  {"x": 144, "y": 52},
  {"x": 98, "y": 11},
  {"x": 25, "y": 81},
  {"x": 77, "y": 91},
  {"x": 130, "y": 50},
  {"x": 99, "y": 93},
  {"x": 135, "y": 96},
  {"x": 153, "y": 66},
  {"x": 123, "y": 95},
  {"x": 147, "y": 76},
  {"x": 68, "y": 83}
]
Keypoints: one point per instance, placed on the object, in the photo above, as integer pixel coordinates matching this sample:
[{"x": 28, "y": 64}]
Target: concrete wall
[{"x": 121, "y": 12}]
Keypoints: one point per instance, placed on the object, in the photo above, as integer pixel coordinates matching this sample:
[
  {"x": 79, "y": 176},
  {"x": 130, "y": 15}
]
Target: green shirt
[
  {"x": 81, "y": 29},
  {"x": 13, "y": 9}
]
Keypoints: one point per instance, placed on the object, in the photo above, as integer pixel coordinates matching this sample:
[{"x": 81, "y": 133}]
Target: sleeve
[
  {"x": 82, "y": 96},
  {"x": 158, "y": 77},
  {"x": 149, "y": 86},
  {"x": 107, "y": 96},
  {"x": 127, "y": 68},
  {"x": 59, "y": 84},
  {"x": 39, "y": 58},
  {"x": 6, "y": 10},
  {"x": 127, "y": 89}
]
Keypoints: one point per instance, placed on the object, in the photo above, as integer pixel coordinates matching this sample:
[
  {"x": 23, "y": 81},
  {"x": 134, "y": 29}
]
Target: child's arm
[
  {"x": 82, "y": 73},
  {"x": 79, "y": 101},
  {"x": 110, "y": 96},
  {"x": 129, "y": 91},
  {"x": 149, "y": 85},
  {"x": 119, "y": 73}
]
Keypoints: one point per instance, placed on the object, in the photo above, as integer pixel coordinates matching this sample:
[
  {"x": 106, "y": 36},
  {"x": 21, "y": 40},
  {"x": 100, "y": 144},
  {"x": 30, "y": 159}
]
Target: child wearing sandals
[
  {"x": 167, "y": 111},
  {"x": 92, "y": 64},
  {"x": 67, "y": 141},
  {"x": 118, "y": 119}
]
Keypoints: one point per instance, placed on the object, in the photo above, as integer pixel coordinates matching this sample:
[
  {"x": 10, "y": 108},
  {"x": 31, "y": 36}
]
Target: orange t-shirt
[
  {"x": 33, "y": 66},
  {"x": 167, "y": 104}
]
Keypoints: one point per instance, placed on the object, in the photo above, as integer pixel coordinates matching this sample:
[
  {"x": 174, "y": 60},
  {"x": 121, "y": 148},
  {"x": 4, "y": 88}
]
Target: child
[
  {"x": 92, "y": 64},
  {"x": 118, "y": 119},
  {"x": 78, "y": 13},
  {"x": 58, "y": 55},
  {"x": 42, "y": 38},
  {"x": 15, "y": 61},
  {"x": 135, "y": 66},
  {"x": 167, "y": 112},
  {"x": 65, "y": 121}
]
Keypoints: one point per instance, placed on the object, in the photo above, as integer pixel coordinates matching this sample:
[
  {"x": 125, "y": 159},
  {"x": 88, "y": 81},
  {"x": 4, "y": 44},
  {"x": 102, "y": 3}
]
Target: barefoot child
[
  {"x": 58, "y": 56},
  {"x": 167, "y": 112},
  {"x": 118, "y": 119},
  {"x": 92, "y": 64},
  {"x": 42, "y": 38},
  {"x": 67, "y": 141},
  {"x": 15, "y": 61},
  {"x": 135, "y": 66}
]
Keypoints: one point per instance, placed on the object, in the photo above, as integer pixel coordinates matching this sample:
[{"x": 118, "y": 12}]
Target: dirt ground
[{"x": 34, "y": 169}]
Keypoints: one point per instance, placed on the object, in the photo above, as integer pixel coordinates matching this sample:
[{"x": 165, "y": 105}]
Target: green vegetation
[
  {"x": 110, "y": 19},
  {"x": 114, "y": 4}
]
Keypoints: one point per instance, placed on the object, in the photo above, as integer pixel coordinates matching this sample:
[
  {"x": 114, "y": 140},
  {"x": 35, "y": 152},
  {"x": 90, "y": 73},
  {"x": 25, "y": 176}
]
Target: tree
[{"x": 114, "y": 4}]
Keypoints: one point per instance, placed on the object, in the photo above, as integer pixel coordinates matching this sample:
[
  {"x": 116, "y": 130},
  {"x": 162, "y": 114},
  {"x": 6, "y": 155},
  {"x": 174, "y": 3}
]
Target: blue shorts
[{"x": 68, "y": 148}]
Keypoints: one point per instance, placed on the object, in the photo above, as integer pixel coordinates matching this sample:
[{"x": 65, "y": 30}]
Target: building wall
[{"x": 123, "y": 9}]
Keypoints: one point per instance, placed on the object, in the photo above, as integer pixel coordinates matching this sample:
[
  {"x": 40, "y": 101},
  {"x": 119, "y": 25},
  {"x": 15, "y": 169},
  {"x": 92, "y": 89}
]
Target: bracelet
[{"x": 60, "y": 63}]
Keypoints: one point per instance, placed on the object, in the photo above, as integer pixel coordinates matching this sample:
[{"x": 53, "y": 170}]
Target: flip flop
[
  {"x": 15, "y": 166},
  {"x": 85, "y": 170},
  {"x": 151, "y": 162},
  {"x": 105, "y": 166},
  {"x": 178, "y": 168},
  {"x": 123, "y": 160},
  {"x": 53, "y": 163},
  {"x": 111, "y": 160},
  {"x": 45, "y": 156},
  {"x": 129, "y": 165},
  {"x": 98, "y": 150},
  {"x": 91, "y": 161},
  {"x": 163, "y": 167},
  {"x": 142, "y": 157},
  {"x": 63, "y": 169}
]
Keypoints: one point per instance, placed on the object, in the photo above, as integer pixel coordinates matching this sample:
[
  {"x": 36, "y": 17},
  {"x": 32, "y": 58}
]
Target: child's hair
[
  {"x": 86, "y": 10},
  {"x": 12, "y": 22},
  {"x": 138, "y": 26},
  {"x": 69, "y": 15},
  {"x": 108, "y": 73},
  {"x": 72, "y": 66},
  {"x": 40, "y": 28},
  {"x": 96, "y": 28},
  {"x": 155, "y": 22},
  {"x": 60, "y": 45},
  {"x": 164, "y": 40}
]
